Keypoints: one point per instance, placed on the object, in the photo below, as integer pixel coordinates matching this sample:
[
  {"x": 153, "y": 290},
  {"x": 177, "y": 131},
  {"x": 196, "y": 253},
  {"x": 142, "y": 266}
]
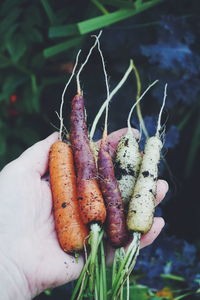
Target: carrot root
[{"x": 70, "y": 229}]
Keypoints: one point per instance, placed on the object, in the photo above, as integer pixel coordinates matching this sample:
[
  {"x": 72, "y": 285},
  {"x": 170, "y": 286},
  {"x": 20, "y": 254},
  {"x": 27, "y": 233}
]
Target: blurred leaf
[
  {"x": 119, "y": 3},
  {"x": 138, "y": 292},
  {"x": 98, "y": 22},
  {"x": 38, "y": 61},
  {"x": 172, "y": 276},
  {"x": 100, "y": 7},
  {"x": 7, "y": 36},
  {"x": 32, "y": 16},
  {"x": 31, "y": 99},
  {"x": 63, "y": 31},
  {"x": 48, "y": 292},
  {"x": 29, "y": 135},
  {"x": 183, "y": 296},
  {"x": 51, "y": 51},
  {"x": 49, "y": 11},
  {"x": 4, "y": 64},
  {"x": 16, "y": 47},
  {"x": 8, "y": 21},
  {"x": 111, "y": 18},
  {"x": 10, "y": 84},
  {"x": 35, "y": 36},
  {"x": 9, "y": 5}
]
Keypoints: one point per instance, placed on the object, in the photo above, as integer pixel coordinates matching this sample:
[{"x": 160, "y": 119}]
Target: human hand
[
  {"x": 30, "y": 255},
  {"x": 31, "y": 258}
]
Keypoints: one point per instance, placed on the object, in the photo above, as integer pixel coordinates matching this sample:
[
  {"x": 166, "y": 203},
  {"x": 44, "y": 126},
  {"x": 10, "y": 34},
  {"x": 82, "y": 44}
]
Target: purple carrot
[
  {"x": 90, "y": 198},
  {"x": 115, "y": 223}
]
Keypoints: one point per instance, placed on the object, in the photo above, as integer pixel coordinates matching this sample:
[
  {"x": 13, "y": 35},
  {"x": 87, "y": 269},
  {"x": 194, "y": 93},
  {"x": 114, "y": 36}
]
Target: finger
[
  {"x": 36, "y": 157},
  {"x": 155, "y": 230},
  {"x": 114, "y": 137},
  {"x": 146, "y": 239},
  {"x": 162, "y": 188}
]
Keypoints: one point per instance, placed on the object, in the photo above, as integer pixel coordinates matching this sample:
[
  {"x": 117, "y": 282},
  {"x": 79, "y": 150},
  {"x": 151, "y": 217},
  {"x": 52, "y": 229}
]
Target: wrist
[{"x": 14, "y": 284}]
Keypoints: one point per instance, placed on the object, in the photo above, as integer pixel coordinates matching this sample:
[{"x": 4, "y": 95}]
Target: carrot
[
  {"x": 115, "y": 223},
  {"x": 128, "y": 158},
  {"x": 91, "y": 202},
  {"x": 142, "y": 203},
  {"x": 89, "y": 195},
  {"x": 71, "y": 231}
]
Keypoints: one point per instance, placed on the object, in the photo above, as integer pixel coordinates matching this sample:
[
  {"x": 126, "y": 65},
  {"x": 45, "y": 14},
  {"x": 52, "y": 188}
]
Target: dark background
[{"x": 39, "y": 43}]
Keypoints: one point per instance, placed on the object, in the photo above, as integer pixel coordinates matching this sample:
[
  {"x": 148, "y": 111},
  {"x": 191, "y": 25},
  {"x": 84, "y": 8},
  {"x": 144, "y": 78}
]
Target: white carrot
[
  {"x": 128, "y": 158},
  {"x": 142, "y": 203}
]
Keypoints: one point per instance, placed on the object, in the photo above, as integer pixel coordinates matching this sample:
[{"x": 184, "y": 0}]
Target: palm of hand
[{"x": 27, "y": 222}]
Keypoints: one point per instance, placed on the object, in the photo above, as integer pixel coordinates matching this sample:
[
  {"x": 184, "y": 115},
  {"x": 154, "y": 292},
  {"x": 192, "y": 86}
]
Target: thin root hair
[
  {"x": 162, "y": 134},
  {"x": 161, "y": 111},
  {"x": 114, "y": 91},
  {"x": 64, "y": 129},
  {"x": 135, "y": 104},
  {"x": 85, "y": 62},
  {"x": 63, "y": 94},
  {"x": 107, "y": 85}
]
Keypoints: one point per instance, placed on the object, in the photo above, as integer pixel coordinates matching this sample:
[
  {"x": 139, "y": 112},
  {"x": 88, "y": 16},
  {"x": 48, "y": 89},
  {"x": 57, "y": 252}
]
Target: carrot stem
[
  {"x": 114, "y": 268},
  {"x": 96, "y": 235},
  {"x": 126, "y": 265},
  {"x": 127, "y": 288},
  {"x": 114, "y": 91},
  {"x": 81, "y": 281},
  {"x": 103, "y": 272},
  {"x": 97, "y": 281}
]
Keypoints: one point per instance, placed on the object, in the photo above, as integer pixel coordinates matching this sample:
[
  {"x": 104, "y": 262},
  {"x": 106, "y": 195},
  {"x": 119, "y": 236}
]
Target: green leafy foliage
[{"x": 33, "y": 50}]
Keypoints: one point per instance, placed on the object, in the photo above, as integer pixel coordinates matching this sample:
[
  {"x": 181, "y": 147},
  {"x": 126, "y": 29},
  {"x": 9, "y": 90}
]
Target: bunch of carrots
[{"x": 94, "y": 195}]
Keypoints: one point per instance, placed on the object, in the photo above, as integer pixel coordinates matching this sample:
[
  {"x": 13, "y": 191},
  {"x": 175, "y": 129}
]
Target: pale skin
[{"x": 31, "y": 259}]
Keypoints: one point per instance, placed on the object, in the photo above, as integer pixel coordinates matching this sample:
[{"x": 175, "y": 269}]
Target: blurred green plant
[{"x": 38, "y": 41}]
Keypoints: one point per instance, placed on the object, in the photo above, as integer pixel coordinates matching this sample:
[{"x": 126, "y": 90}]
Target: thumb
[{"x": 36, "y": 157}]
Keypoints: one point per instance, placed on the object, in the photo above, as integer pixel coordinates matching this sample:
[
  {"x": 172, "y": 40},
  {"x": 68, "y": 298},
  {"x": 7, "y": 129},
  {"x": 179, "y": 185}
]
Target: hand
[{"x": 31, "y": 259}]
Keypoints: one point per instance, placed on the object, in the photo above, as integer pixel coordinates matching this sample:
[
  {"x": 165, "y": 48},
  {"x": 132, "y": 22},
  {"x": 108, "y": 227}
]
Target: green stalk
[
  {"x": 127, "y": 288},
  {"x": 101, "y": 291},
  {"x": 121, "y": 293},
  {"x": 125, "y": 265},
  {"x": 138, "y": 108},
  {"x": 81, "y": 279},
  {"x": 103, "y": 272},
  {"x": 96, "y": 235},
  {"x": 129, "y": 269},
  {"x": 95, "y": 294},
  {"x": 97, "y": 281},
  {"x": 100, "y": 7},
  {"x": 114, "y": 268}
]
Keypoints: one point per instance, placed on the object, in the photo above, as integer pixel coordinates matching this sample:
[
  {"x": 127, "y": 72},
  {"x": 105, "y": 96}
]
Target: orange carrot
[{"x": 71, "y": 231}]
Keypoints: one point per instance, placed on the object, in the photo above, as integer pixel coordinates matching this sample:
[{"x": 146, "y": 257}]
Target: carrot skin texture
[
  {"x": 115, "y": 222},
  {"x": 89, "y": 194},
  {"x": 142, "y": 203},
  {"x": 71, "y": 231}
]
